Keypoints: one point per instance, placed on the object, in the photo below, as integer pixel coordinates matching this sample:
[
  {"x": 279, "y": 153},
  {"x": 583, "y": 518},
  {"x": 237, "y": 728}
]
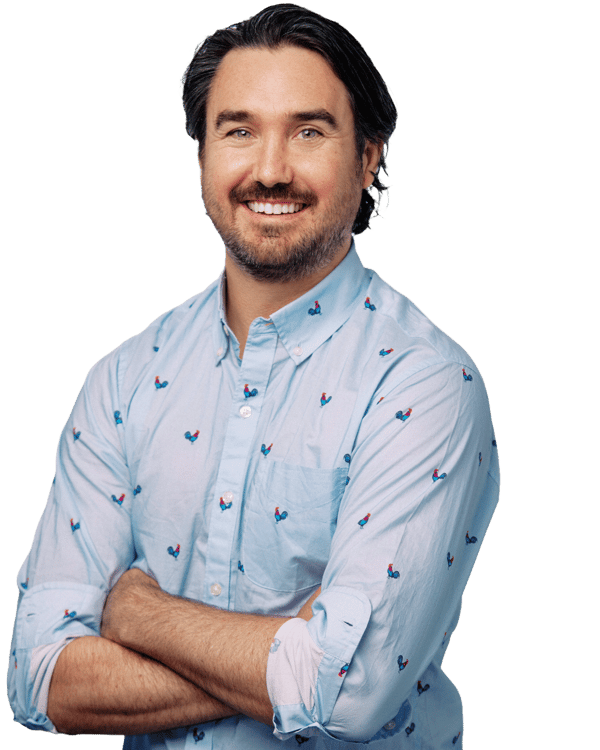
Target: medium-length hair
[{"x": 286, "y": 24}]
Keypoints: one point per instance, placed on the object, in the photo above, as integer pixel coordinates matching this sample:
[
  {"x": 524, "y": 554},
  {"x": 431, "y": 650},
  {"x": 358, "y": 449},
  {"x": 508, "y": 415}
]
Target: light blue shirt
[{"x": 352, "y": 448}]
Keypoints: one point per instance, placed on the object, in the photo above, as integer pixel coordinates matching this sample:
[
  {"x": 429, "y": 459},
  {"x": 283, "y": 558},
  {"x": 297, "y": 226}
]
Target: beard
[{"x": 275, "y": 257}]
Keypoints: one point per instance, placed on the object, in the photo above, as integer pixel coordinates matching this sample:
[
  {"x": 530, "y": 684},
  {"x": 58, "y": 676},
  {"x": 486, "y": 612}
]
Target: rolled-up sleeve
[
  {"x": 423, "y": 485},
  {"x": 83, "y": 543}
]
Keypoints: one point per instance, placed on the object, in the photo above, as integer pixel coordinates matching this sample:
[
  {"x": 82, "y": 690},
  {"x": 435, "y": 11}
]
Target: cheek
[{"x": 222, "y": 173}]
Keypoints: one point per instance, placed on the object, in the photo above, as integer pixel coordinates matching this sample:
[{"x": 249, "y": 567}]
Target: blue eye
[
  {"x": 240, "y": 134},
  {"x": 308, "y": 134}
]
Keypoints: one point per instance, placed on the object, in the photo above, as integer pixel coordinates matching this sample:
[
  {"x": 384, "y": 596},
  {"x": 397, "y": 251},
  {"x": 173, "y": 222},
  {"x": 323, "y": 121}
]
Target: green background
[{"x": 489, "y": 232}]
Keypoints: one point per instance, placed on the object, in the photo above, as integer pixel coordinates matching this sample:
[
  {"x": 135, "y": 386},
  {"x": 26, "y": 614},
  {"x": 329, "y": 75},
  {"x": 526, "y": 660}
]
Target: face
[{"x": 281, "y": 177}]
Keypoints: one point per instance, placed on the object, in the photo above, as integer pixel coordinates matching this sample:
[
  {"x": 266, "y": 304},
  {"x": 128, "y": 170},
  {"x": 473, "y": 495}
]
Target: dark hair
[{"x": 287, "y": 24}]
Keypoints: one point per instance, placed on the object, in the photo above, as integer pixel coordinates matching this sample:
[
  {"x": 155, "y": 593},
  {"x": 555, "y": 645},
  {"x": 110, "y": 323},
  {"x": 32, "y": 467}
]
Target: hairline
[{"x": 359, "y": 138}]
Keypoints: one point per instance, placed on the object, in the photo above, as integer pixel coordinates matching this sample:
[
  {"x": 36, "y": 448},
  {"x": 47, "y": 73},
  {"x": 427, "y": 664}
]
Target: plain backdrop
[{"x": 490, "y": 226}]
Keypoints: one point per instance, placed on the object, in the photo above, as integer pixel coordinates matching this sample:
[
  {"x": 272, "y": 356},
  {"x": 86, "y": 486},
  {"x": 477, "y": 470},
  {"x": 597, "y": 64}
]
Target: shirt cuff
[{"x": 309, "y": 660}]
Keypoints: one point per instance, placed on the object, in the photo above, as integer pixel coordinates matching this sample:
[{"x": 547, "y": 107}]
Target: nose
[{"x": 272, "y": 165}]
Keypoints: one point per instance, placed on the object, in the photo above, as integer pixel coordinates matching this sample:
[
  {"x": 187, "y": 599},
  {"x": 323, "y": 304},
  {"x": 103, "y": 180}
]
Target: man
[{"x": 269, "y": 502}]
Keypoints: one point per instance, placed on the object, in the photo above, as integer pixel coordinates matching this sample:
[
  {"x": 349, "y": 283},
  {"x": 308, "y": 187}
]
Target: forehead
[{"x": 267, "y": 82}]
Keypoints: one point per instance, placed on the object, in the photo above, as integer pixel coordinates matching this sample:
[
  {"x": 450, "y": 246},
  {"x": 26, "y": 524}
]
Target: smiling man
[{"x": 266, "y": 505}]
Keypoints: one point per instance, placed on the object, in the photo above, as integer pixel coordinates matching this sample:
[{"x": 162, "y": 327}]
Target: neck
[{"x": 248, "y": 298}]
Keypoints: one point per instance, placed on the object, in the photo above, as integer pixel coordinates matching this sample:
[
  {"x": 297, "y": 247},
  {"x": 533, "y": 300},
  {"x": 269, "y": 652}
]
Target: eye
[
  {"x": 308, "y": 134},
  {"x": 240, "y": 134}
]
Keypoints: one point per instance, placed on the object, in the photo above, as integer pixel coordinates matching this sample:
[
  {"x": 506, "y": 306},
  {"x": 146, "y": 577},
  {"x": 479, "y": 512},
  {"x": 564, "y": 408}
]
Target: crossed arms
[{"x": 163, "y": 662}]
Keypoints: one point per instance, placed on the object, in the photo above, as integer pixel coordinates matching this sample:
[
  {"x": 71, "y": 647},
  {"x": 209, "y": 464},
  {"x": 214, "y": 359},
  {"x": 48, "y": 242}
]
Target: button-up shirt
[{"x": 351, "y": 448}]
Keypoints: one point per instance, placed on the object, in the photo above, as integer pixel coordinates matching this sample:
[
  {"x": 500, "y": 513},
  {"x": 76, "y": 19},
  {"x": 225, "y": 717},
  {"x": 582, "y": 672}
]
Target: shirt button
[
  {"x": 298, "y": 351},
  {"x": 390, "y": 725},
  {"x": 216, "y": 589},
  {"x": 228, "y": 497},
  {"x": 245, "y": 411},
  {"x": 219, "y": 351}
]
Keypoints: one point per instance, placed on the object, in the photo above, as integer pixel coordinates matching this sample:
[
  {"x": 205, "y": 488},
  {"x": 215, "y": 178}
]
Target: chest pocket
[{"x": 289, "y": 518}]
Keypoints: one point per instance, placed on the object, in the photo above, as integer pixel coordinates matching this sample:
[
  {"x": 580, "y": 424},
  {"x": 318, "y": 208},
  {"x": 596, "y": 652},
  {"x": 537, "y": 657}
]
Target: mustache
[{"x": 258, "y": 192}]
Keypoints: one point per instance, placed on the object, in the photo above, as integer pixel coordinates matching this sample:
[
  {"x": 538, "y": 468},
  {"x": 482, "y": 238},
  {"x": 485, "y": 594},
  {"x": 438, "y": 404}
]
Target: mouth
[{"x": 275, "y": 208}]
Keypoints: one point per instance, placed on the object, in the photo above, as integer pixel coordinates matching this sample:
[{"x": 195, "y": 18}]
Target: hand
[
  {"x": 124, "y": 601},
  {"x": 306, "y": 611}
]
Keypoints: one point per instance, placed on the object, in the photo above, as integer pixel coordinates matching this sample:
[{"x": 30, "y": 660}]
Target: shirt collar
[{"x": 310, "y": 320}]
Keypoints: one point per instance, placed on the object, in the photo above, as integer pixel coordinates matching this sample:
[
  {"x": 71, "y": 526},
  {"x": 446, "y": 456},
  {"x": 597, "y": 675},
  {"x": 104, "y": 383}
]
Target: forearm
[
  {"x": 224, "y": 653},
  {"x": 100, "y": 687}
]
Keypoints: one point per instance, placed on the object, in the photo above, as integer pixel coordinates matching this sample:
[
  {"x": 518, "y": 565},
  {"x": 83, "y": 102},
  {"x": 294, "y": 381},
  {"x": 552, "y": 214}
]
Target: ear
[
  {"x": 370, "y": 162},
  {"x": 199, "y": 159}
]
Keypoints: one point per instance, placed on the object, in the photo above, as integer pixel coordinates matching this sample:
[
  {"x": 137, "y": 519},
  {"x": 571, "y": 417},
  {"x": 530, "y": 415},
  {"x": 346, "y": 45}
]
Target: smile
[{"x": 274, "y": 208}]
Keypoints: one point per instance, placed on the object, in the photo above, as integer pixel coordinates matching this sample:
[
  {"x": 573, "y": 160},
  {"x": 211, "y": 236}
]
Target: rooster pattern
[
  {"x": 224, "y": 505},
  {"x": 285, "y": 517}
]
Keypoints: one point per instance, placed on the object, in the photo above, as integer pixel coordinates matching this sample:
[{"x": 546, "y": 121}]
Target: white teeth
[{"x": 274, "y": 208}]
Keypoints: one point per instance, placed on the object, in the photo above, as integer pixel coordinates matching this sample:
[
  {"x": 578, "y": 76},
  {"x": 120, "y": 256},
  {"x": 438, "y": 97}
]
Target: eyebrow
[{"x": 237, "y": 116}]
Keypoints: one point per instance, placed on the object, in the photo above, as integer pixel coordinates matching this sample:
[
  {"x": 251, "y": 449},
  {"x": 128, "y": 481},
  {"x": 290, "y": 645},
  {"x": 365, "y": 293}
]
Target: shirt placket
[{"x": 248, "y": 399}]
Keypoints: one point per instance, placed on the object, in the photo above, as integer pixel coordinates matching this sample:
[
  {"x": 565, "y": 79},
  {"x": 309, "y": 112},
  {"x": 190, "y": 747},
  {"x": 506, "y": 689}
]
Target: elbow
[{"x": 360, "y": 714}]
